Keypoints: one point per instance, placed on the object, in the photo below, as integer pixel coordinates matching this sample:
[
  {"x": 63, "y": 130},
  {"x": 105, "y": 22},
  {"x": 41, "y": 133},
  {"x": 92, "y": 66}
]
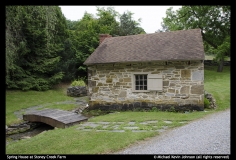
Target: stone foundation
[
  {"x": 139, "y": 106},
  {"x": 110, "y": 86}
]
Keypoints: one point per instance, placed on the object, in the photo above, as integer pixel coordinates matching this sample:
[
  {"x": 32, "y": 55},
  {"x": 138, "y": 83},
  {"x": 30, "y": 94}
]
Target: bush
[
  {"x": 172, "y": 109},
  {"x": 79, "y": 82},
  {"x": 206, "y": 103},
  {"x": 154, "y": 109}
]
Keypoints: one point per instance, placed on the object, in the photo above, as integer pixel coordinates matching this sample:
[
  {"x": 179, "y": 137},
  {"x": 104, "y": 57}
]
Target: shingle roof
[{"x": 174, "y": 45}]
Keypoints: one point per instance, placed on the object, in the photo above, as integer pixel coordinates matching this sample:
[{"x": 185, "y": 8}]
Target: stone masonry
[
  {"x": 110, "y": 86},
  {"x": 76, "y": 91}
]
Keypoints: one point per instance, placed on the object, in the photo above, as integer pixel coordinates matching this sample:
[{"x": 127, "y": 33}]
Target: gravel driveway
[{"x": 208, "y": 135}]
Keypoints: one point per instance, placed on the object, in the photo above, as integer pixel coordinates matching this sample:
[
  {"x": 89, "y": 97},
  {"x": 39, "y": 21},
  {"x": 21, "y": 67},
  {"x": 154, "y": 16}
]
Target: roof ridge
[{"x": 158, "y": 32}]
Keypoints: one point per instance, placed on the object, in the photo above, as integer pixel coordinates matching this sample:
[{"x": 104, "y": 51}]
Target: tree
[
  {"x": 42, "y": 34},
  {"x": 128, "y": 26},
  {"x": 85, "y": 40},
  {"x": 71, "y": 24},
  {"x": 214, "y": 22},
  {"x": 107, "y": 21},
  {"x": 68, "y": 63},
  {"x": 14, "y": 36}
]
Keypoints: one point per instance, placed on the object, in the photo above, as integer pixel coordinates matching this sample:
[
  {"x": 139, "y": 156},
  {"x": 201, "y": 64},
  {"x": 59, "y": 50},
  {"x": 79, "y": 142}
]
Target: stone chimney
[{"x": 103, "y": 36}]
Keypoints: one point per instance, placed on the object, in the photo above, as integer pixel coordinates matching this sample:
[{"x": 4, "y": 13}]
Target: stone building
[{"x": 161, "y": 70}]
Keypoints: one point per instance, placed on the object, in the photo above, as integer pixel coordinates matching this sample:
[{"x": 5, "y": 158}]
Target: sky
[{"x": 151, "y": 16}]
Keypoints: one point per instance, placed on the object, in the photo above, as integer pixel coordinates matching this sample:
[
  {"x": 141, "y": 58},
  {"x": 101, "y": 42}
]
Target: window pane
[
  {"x": 141, "y": 82},
  {"x": 145, "y": 82}
]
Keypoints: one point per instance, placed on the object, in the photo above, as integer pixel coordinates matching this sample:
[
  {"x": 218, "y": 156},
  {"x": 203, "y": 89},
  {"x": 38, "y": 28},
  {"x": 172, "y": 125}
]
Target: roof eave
[{"x": 87, "y": 64}]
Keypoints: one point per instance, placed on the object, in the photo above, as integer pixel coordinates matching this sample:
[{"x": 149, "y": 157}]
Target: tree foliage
[
  {"x": 68, "y": 63},
  {"x": 128, "y": 26},
  {"x": 86, "y": 38},
  {"x": 44, "y": 48},
  {"x": 71, "y": 24},
  {"x": 87, "y": 30},
  {"x": 107, "y": 21},
  {"x": 41, "y": 38},
  {"x": 14, "y": 38},
  {"x": 214, "y": 22}
]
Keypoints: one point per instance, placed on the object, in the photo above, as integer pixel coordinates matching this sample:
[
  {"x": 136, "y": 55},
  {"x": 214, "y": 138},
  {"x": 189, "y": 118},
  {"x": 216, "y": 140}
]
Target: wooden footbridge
[{"x": 55, "y": 117}]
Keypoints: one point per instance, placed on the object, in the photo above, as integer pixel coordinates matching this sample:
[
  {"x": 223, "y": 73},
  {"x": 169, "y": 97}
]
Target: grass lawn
[
  {"x": 74, "y": 141},
  {"x": 17, "y": 100},
  {"x": 210, "y": 57},
  {"x": 218, "y": 84}
]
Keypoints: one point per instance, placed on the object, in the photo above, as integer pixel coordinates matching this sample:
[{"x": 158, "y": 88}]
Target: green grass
[
  {"x": 74, "y": 141},
  {"x": 66, "y": 107},
  {"x": 210, "y": 57},
  {"x": 218, "y": 84},
  {"x": 17, "y": 100},
  {"x": 129, "y": 116}
]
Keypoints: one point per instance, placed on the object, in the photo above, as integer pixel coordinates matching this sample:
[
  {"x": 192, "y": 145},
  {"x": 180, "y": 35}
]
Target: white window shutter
[{"x": 155, "y": 82}]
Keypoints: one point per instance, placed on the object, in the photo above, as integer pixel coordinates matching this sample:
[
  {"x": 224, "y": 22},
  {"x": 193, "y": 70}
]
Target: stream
[{"x": 41, "y": 127}]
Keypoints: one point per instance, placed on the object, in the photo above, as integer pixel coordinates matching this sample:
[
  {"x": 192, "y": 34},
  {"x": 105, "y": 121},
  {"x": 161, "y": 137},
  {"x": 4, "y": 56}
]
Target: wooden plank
[
  {"x": 54, "y": 117},
  {"x": 70, "y": 119}
]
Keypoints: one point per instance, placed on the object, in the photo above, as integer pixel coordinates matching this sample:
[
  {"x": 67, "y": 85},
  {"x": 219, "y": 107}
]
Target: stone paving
[{"x": 125, "y": 126}]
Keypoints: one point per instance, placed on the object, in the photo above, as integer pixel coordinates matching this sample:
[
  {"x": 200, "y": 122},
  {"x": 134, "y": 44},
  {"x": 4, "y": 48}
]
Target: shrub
[
  {"x": 154, "y": 109},
  {"x": 206, "y": 103},
  {"x": 79, "y": 82},
  {"x": 172, "y": 109}
]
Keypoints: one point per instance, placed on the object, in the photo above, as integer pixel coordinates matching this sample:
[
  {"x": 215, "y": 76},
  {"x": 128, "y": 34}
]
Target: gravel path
[{"x": 208, "y": 135}]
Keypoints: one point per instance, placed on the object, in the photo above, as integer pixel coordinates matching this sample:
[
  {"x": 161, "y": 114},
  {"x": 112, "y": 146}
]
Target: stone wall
[
  {"x": 76, "y": 91},
  {"x": 110, "y": 86}
]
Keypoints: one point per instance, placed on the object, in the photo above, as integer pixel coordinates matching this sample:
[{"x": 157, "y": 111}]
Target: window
[
  {"x": 145, "y": 82},
  {"x": 141, "y": 82}
]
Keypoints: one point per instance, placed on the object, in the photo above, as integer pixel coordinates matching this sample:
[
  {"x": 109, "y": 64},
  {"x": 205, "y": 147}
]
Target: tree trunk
[{"x": 220, "y": 65}]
